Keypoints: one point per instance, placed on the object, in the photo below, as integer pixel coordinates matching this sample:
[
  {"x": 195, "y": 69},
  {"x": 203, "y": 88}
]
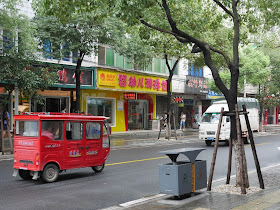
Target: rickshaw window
[
  {"x": 27, "y": 128},
  {"x": 52, "y": 129},
  {"x": 74, "y": 131},
  {"x": 93, "y": 130}
]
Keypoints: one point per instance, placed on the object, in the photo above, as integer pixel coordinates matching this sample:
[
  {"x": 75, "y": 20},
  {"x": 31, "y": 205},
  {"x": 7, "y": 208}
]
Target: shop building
[
  {"x": 128, "y": 98},
  {"x": 63, "y": 94},
  {"x": 189, "y": 93}
]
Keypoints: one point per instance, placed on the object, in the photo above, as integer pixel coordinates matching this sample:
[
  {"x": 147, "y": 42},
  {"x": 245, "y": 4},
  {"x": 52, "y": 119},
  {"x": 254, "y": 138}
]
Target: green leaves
[{"x": 19, "y": 52}]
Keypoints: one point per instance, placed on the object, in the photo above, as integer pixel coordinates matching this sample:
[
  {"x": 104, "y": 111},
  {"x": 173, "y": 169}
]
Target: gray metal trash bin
[{"x": 182, "y": 177}]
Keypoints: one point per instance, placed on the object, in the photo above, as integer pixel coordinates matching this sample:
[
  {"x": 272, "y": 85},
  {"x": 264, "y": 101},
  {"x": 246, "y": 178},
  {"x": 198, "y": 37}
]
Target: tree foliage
[{"x": 18, "y": 54}]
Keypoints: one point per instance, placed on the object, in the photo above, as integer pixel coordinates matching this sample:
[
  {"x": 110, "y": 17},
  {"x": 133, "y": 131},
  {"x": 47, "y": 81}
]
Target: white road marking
[
  {"x": 7, "y": 159},
  {"x": 278, "y": 148},
  {"x": 141, "y": 200}
]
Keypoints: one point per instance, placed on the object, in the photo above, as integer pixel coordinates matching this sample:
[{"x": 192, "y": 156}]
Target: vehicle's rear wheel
[
  {"x": 24, "y": 174},
  {"x": 208, "y": 143},
  {"x": 50, "y": 173},
  {"x": 98, "y": 169}
]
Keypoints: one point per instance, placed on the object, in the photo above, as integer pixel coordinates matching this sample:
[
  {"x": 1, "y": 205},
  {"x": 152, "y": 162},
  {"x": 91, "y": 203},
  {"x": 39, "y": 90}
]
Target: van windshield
[{"x": 211, "y": 117}]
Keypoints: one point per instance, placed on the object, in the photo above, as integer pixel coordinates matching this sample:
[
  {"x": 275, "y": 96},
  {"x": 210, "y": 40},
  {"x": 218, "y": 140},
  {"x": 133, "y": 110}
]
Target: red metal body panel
[{"x": 33, "y": 153}]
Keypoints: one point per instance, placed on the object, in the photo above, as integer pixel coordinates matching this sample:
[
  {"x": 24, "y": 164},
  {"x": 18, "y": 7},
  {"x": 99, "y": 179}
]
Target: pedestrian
[
  {"x": 6, "y": 122},
  {"x": 182, "y": 121}
]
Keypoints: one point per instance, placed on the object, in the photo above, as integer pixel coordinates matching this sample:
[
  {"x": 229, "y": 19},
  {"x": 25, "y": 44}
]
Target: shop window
[
  {"x": 163, "y": 66},
  {"x": 75, "y": 56},
  {"x": 157, "y": 65},
  {"x": 93, "y": 130},
  {"x": 66, "y": 52},
  {"x": 196, "y": 71},
  {"x": 119, "y": 60},
  {"x": 149, "y": 67},
  {"x": 109, "y": 57},
  {"x": 47, "y": 49},
  {"x": 201, "y": 72},
  {"x": 74, "y": 131},
  {"x": 189, "y": 69},
  {"x": 127, "y": 63},
  {"x": 102, "y": 107},
  {"x": 7, "y": 41},
  {"x": 176, "y": 68}
]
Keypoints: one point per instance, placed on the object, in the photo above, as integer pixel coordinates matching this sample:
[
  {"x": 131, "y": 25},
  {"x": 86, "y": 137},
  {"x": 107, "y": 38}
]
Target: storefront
[
  {"x": 128, "y": 99},
  {"x": 190, "y": 103},
  {"x": 63, "y": 94}
]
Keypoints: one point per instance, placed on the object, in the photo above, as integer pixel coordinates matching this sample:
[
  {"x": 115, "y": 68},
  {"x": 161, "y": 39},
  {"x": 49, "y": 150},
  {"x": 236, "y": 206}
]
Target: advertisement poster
[{"x": 120, "y": 105}]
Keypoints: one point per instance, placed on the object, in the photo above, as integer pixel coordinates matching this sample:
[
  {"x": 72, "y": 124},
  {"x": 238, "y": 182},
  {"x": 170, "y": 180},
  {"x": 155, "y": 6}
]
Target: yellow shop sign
[
  {"x": 132, "y": 82},
  {"x": 107, "y": 79}
]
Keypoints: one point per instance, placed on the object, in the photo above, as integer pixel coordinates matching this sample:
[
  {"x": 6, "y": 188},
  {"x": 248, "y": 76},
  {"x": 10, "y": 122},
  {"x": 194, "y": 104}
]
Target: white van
[{"x": 210, "y": 119}]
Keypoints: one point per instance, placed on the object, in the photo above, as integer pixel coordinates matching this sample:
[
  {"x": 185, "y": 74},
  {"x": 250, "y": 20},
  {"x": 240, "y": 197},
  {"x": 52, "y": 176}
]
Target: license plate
[{"x": 210, "y": 138}]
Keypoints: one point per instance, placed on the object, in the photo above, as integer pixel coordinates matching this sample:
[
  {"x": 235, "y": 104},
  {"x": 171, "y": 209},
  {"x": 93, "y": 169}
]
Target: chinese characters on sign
[
  {"x": 196, "y": 85},
  {"x": 131, "y": 81},
  {"x": 178, "y": 99},
  {"x": 141, "y": 82},
  {"x": 130, "y": 96},
  {"x": 67, "y": 77}
]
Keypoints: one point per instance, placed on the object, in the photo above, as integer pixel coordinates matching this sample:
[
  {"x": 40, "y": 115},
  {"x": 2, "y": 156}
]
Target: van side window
[
  {"x": 93, "y": 130},
  {"x": 52, "y": 129},
  {"x": 74, "y": 131},
  {"x": 27, "y": 128}
]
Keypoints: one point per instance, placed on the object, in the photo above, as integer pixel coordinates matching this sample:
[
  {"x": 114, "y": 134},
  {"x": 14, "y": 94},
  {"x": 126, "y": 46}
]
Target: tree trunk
[
  {"x": 78, "y": 81},
  {"x": 171, "y": 72},
  {"x": 231, "y": 103},
  {"x": 168, "y": 127}
]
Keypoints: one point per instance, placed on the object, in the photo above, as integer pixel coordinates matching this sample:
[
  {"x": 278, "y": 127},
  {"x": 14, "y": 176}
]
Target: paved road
[{"x": 131, "y": 173}]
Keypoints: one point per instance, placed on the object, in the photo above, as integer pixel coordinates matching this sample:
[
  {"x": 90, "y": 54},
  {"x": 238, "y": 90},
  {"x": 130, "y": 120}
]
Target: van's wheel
[
  {"x": 50, "y": 173},
  {"x": 98, "y": 169},
  {"x": 24, "y": 174},
  {"x": 208, "y": 143}
]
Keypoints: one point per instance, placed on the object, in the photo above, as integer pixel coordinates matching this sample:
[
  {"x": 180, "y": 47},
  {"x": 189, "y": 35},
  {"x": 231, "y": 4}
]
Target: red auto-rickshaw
[{"x": 48, "y": 143}]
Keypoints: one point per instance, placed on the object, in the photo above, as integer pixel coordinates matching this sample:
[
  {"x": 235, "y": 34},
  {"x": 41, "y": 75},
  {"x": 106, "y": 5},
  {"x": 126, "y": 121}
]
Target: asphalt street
[{"x": 130, "y": 173}]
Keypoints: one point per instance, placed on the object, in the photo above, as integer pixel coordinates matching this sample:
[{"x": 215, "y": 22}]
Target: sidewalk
[{"x": 269, "y": 198}]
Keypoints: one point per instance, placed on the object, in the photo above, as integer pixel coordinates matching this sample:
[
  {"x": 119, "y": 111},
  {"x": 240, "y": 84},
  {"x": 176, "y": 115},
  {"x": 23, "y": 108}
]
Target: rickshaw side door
[
  {"x": 93, "y": 144},
  {"x": 74, "y": 144}
]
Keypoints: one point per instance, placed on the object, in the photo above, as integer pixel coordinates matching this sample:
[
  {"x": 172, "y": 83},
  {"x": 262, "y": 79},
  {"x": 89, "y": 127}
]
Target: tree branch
[
  {"x": 224, "y": 8},
  {"x": 227, "y": 59},
  {"x": 176, "y": 31},
  {"x": 157, "y": 28}
]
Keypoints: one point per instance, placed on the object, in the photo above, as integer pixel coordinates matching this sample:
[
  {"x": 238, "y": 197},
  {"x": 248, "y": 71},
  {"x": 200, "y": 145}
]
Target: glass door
[{"x": 138, "y": 114}]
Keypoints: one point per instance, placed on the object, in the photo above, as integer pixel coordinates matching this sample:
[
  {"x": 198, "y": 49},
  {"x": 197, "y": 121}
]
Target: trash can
[{"x": 182, "y": 177}]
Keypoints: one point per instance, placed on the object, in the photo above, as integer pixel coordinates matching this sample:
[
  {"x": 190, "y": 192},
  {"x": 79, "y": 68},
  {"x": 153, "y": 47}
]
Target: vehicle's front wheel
[
  {"x": 98, "y": 169},
  {"x": 24, "y": 174},
  {"x": 50, "y": 173},
  {"x": 208, "y": 143}
]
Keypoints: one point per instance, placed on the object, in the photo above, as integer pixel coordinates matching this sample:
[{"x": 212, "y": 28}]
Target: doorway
[
  {"x": 138, "y": 115},
  {"x": 53, "y": 104}
]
